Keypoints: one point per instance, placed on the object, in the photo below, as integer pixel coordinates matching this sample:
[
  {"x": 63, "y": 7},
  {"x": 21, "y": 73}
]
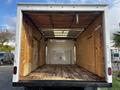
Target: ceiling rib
[
  {"x": 61, "y": 29},
  {"x": 51, "y": 21},
  {"x": 72, "y": 21}
]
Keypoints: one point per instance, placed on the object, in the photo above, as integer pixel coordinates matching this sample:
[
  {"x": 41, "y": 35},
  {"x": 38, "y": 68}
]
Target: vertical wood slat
[
  {"x": 27, "y": 61},
  {"x": 99, "y": 53},
  {"x": 86, "y": 54}
]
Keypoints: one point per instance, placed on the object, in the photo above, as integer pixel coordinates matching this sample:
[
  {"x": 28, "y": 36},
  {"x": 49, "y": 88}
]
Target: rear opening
[{"x": 62, "y": 46}]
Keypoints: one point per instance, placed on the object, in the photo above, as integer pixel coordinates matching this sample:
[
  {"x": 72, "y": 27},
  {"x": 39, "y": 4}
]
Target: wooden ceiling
[{"x": 62, "y": 20}]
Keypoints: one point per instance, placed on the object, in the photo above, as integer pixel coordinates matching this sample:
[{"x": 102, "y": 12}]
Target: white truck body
[{"x": 27, "y": 7}]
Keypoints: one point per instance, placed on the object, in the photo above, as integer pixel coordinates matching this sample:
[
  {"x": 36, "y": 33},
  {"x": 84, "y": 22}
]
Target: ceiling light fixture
[
  {"x": 61, "y": 33},
  {"x": 77, "y": 18}
]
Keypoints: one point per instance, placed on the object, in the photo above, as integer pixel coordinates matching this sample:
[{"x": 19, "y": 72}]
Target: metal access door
[{"x": 60, "y": 52}]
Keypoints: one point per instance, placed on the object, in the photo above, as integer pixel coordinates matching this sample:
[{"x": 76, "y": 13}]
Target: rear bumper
[{"x": 60, "y": 83}]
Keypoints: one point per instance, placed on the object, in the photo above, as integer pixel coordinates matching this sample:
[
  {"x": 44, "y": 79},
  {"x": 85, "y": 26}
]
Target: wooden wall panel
[
  {"x": 99, "y": 52},
  {"x": 89, "y": 48},
  {"x": 22, "y": 52},
  {"x": 26, "y": 48},
  {"x": 32, "y": 49},
  {"x": 42, "y": 52}
]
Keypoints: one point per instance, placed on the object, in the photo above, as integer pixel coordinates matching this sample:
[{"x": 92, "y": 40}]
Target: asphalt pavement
[{"x": 6, "y": 78}]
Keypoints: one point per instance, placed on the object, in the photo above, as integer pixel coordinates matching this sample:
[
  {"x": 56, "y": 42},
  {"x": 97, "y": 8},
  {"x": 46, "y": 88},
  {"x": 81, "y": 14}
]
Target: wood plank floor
[{"x": 61, "y": 72}]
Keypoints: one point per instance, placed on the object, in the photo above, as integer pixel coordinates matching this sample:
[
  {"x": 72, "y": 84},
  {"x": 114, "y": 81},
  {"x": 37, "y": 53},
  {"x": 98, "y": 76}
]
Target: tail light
[
  {"x": 109, "y": 71},
  {"x": 14, "y": 70}
]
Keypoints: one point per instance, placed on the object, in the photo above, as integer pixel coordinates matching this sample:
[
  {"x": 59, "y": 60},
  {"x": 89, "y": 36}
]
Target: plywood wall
[
  {"x": 42, "y": 52},
  {"x": 32, "y": 49},
  {"x": 89, "y": 48}
]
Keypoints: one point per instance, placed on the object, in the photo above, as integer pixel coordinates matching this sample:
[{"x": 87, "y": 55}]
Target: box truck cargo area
[
  {"x": 66, "y": 46},
  {"x": 62, "y": 46}
]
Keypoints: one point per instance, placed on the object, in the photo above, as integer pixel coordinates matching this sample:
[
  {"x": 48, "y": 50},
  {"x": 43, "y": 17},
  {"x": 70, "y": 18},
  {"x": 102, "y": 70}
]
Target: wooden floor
[{"x": 61, "y": 72}]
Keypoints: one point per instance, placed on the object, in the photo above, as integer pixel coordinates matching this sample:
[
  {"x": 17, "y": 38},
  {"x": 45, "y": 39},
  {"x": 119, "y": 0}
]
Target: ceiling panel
[{"x": 62, "y": 20}]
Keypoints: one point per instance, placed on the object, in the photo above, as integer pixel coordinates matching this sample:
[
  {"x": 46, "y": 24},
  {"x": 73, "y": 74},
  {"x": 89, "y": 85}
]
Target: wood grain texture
[
  {"x": 61, "y": 72},
  {"x": 89, "y": 48},
  {"x": 62, "y": 20},
  {"x": 99, "y": 52},
  {"x": 32, "y": 48}
]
